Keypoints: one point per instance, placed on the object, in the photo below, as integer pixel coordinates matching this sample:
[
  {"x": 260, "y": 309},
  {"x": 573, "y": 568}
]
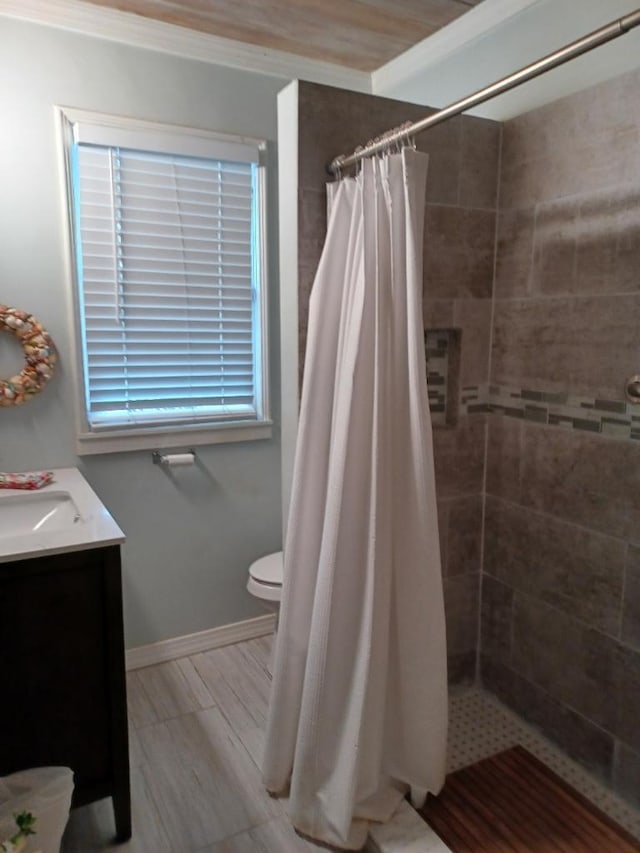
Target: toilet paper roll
[{"x": 174, "y": 460}]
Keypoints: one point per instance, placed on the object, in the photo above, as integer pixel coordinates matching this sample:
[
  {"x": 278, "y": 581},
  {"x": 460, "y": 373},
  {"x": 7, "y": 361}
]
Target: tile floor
[
  {"x": 480, "y": 725},
  {"x": 196, "y": 729}
]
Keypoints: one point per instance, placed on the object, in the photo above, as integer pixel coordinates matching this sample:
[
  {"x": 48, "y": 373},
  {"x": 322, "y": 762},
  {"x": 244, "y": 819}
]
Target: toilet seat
[{"x": 265, "y": 577}]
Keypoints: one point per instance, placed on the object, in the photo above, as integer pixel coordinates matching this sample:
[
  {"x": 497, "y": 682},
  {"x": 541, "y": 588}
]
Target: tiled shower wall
[
  {"x": 460, "y": 226},
  {"x": 561, "y": 582}
]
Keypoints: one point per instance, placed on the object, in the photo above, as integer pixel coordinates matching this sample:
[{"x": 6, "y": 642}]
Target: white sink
[
  {"x": 66, "y": 515},
  {"x": 35, "y": 512}
]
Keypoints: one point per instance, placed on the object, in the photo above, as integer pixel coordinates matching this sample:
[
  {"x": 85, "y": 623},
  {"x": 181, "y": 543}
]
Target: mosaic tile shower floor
[{"x": 480, "y": 726}]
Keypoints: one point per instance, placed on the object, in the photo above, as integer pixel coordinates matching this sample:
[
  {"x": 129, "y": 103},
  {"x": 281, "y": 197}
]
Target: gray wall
[
  {"x": 189, "y": 540},
  {"x": 561, "y": 589}
]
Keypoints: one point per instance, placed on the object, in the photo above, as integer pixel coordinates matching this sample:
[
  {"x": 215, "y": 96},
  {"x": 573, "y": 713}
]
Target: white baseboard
[{"x": 191, "y": 644}]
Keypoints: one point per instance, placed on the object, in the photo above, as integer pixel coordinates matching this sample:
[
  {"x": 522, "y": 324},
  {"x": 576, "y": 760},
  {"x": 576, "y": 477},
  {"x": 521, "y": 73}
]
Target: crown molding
[
  {"x": 138, "y": 31},
  {"x": 460, "y": 32}
]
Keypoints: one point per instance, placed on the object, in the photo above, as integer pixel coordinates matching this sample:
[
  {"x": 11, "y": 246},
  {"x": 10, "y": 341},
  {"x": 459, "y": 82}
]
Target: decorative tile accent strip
[
  {"x": 474, "y": 399},
  {"x": 436, "y": 344},
  {"x": 616, "y": 418}
]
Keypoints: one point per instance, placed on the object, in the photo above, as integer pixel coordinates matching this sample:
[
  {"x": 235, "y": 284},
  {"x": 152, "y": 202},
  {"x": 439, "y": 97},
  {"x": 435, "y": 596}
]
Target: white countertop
[{"x": 93, "y": 526}]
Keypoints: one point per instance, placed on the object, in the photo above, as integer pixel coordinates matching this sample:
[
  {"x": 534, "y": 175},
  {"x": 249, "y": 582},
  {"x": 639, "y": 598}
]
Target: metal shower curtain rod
[{"x": 570, "y": 51}]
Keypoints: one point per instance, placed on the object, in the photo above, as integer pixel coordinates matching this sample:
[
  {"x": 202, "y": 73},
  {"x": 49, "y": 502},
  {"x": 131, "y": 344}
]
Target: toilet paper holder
[{"x": 174, "y": 460}]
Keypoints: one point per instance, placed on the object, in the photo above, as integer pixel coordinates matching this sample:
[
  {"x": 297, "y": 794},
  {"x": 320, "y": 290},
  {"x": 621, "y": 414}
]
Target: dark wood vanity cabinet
[{"x": 64, "y": 691}]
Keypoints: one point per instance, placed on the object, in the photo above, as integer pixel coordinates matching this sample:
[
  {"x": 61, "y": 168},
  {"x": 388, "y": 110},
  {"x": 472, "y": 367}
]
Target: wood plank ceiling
[{"x": 358, "y": 34}]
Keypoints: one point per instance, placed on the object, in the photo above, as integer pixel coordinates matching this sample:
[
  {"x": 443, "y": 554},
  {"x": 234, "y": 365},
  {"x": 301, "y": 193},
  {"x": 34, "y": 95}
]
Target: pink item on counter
[{"x": 31, "y": 480}]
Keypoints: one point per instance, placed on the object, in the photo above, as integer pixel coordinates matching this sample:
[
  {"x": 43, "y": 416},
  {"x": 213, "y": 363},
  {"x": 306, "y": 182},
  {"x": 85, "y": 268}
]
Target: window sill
[{"x": 162, "y": 438}]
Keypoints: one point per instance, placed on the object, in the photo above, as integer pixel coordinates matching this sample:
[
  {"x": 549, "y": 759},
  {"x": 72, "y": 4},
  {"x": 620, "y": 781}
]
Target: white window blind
[{"x": 169, "y": 280}]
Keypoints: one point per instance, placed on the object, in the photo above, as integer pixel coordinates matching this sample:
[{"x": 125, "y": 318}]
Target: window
[{"x": 168, "y": 237}]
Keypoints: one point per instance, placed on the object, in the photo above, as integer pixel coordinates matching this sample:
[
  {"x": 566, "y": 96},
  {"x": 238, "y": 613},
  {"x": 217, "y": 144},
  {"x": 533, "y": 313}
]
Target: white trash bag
[{"x": 45, "y": 792}]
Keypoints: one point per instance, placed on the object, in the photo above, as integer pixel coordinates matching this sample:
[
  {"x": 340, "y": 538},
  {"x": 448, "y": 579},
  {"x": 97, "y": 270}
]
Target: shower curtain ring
[{"x": 359, "y": 161}]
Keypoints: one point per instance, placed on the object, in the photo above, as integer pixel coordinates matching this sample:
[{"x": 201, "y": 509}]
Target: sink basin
[
  {"x": 37, "y": 513},
  {"x": 64, "y": 516}
]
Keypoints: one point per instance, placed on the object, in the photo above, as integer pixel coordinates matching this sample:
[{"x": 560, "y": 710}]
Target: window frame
[{"x": 117, "y": 439}]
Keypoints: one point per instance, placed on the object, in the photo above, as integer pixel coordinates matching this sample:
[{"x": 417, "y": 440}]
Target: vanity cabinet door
[
  {"x": 52, "y": 639},
  {"x": 64, "y": 699}
]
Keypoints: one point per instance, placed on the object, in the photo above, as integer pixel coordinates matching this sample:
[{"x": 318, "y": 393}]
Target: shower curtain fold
[{"x": 358, "y": 711}]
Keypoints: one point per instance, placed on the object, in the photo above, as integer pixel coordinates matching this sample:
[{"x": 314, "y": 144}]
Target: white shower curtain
[{"x": 358, "y": 711}]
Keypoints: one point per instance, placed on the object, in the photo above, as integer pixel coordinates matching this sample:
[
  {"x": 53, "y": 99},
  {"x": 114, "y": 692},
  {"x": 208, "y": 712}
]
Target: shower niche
[{"x": 442, "y": 351}]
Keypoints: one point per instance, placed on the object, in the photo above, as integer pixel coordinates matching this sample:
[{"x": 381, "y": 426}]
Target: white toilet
[{"x": 265, "y": 578}]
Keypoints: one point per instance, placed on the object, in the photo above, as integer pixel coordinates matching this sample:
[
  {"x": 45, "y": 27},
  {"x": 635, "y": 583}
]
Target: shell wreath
[{"x": 39, "y": 353}]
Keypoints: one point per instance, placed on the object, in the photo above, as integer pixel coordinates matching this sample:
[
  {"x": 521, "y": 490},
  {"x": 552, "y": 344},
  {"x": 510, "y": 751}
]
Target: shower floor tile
[{"x": 480, "y": 726}]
